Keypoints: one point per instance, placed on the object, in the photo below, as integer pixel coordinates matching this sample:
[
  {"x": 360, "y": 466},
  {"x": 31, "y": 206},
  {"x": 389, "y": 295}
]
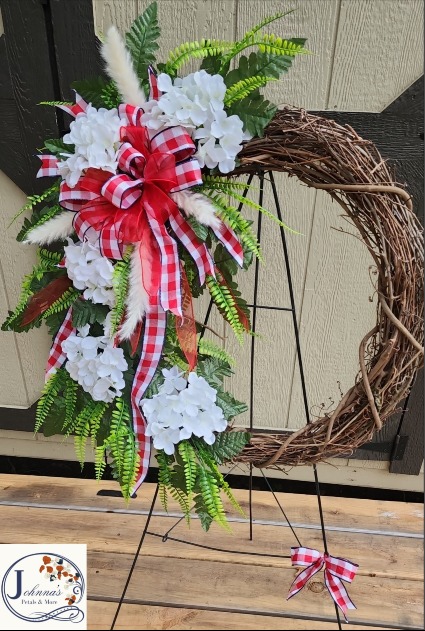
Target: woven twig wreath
[{"x": 325, "y": 155}]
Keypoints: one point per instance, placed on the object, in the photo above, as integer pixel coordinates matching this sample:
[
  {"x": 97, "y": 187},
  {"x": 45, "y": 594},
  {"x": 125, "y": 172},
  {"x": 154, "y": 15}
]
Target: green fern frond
[
  {"x": 232, "y": 216},
  {"x": 207, "y": 347},
  {"x": 56, "y": 103},
  {"x": 188, "y": 456},
  {"x": 33, "y": 200},
  {"x": 99, "y": 462},
  {"x": 131, "y": 464},
  {"x": 265, "y": 22},
  {"x": 70, "y": 396},
  {"x": 120, "y": 280},
  {"x": 37, "y": 273},
  {"x": 50, "y": 392},
  {"x": 110, "y": 95},
  {"x": 96, "y": 420},
  {"x": 195, "y": 50},
  {"x": 49, "y": 258},
  {"x": 64, "y": 302},
  {"x": 119, "y": 429},
  {"x": 78, "y": 424},
  {"x": 261, "y": 209},
  {"x": 244, "y": 87},
  {"x": 35, "y": 222},
  {"x": 210, "y": 492},
  {"x": 213, "y": 182},
  {"x": 277, "y": 46},
  {"x": 225, "y": 303}
]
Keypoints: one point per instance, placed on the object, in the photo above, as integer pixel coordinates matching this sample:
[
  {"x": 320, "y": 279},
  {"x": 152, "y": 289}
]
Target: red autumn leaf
[
  {"x": 44, "y": 299},
  {"x": 186, "y": 326}
]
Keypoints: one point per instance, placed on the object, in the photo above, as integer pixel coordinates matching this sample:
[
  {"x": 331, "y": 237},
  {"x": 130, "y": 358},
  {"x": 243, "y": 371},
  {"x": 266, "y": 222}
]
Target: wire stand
[{"x": 166, "y": 536}]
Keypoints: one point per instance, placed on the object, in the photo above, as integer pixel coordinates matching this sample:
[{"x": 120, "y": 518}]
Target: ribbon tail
[
  {"x": 153, "y": 341},
  {"x": 303, "y": 577},
  {"x": 56, "y": 355},
  {"x": 338, "y": 593},
  {"x": 170, "y": 287},
  {"x": 186, "y": 326},
  {"x": 197, "y": 250},
  {"x": 228, "y": 238}
]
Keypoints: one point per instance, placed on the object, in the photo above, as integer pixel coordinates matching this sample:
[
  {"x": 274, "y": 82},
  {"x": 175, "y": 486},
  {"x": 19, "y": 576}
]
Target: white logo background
[{"x": 43, "y": 586}]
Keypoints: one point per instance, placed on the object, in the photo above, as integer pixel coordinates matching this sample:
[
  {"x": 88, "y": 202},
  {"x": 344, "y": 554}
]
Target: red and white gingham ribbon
[
  {"x": 336, "y": 570},
  {"x": 56, "y": 355},
  {"x": 153, "y": 341}
]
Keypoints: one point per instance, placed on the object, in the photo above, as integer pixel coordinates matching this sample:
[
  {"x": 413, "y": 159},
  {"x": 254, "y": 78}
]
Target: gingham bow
[
  {"x": 134, "y": 206},
  {"x": 336, "y": 570}
]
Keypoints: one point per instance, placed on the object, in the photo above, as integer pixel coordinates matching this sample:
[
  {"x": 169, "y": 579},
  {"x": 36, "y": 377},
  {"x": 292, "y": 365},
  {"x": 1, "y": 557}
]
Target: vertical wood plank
[
  {"x": 377, "y": 53},
  {"x": 412, "y": 427},
  {"x": 30, "y": 72},
  {"x": 73, "y": 24}
]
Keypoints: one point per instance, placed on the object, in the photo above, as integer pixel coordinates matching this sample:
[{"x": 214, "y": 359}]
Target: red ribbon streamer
[{"x": 336, "y": 570}]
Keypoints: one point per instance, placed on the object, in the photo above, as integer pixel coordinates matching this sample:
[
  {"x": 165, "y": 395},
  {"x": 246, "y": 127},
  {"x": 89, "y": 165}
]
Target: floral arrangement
[{"x": 136, "y": 224}]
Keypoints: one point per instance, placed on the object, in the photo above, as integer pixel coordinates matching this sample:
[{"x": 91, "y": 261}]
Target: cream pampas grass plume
[
  {"x": 198, "y": 206},
  {"x": 137, "y": 299},
  {"x": 59, "y": 227},
  {"x": 119, "y": 67}
]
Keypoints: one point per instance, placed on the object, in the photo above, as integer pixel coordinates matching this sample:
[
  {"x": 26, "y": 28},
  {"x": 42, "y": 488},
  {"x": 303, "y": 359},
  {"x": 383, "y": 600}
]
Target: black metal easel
[{"x": 166, "y": 536}]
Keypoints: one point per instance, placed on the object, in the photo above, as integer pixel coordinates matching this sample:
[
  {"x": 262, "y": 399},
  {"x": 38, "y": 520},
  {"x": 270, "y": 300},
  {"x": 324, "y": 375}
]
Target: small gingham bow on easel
[{"x": 336, "y": 570}]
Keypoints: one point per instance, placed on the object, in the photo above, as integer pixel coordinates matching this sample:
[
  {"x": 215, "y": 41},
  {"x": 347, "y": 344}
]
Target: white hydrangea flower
[
  {"x": 182, "y": 408},
  {"x": 196, "y": 102},
  {"x": 95, "y": 364},
  {"x": 90, "y": 271},
  {"x": 96, "y": 135}
]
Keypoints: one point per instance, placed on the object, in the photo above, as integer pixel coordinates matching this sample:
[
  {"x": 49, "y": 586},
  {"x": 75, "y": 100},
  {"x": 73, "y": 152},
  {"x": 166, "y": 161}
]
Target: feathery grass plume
[
  {"x": 119, "y": 67},
  {"x": 137, "y": 299},
  {"x": 198, "y": 206},
  {"x": 59, "y": 227}
]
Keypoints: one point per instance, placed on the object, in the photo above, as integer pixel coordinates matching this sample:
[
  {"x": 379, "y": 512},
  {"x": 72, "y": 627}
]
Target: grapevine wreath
[{"x": 137, "y": 223}]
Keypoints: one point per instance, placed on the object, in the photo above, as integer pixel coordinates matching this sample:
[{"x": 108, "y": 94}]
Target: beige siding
[{"x": 365, "y": 53}]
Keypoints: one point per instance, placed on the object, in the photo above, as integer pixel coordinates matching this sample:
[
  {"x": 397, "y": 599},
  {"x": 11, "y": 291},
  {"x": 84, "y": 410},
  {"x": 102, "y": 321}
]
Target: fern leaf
[
  {"x": 278, "y": 46},
  {"x": 225, "y": 303},
  {"x": 141, "y": 41},
  {"x": 120, "y": 280},
  {"x": 223, "y": 184},
  {"x": 99, "y": 462},
  {"x": 232, "y": 216},
  {"x": 70, "y": 396},
  {"x": 211, "y": 495},
  {"x": 96, "y": 420},
  {"x": 34, "y": 200},
  {"x": 56, "y": 103},
  {"x": 188, "y": 456},
  {"x": 227, "y": 445},
  {"x": 261, "y": 209},
  {"x": 64, "y": 302},
  {"x": 120, "y": 423},
  {"x": 131, "y": 464},
  {"x": 194, "y": 50},
  {"x": 110, "y": 95},
  {"x": 51, "y": 390},
  {"x": 265, "y": 22},
  {"x": 207, "y": 347},
  {"x": 249, "y": 38},
  {"x": 37, "y": 220},
  {"x": 244, "y": 87}
]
